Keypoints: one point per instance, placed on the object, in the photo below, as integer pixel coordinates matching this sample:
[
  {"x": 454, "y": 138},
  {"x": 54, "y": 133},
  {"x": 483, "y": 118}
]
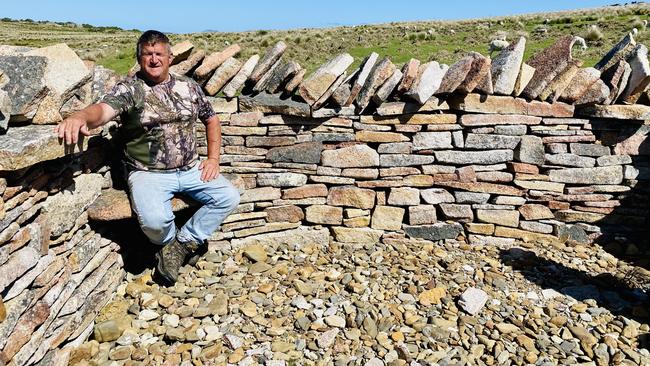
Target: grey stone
[
  {"x": 271, "y": 56},
  {"x": 64, "y": 207},
  {"x": 489, "y": 141},
  {"x": 639, "y": 77},
  {"x": 274, "y": 104},
  {"x": 378, "y": 76},
  {"x": 573, "y": 233},
  {"x": 25, "y": 83},
  {"x": 295, "y": 238},
  {"x": 506, "y": 67},
  {"x": 471, "y": 197},
  {"x": 472, "y": 300},
  {"x": 614, "y": 160},
  {"x": 511, "y": 130},
  {"x": 620, "y": 51},
  {"x": 261, "y": 84},
  {"x": 395, "y": 148},
  {"x": 282, "y": 74},
  {"x": 307, "y": 152},
  {"x": 392, "y": 160},
  {"x": 589, "y": 149},
  {"x": 364, "y": 71},
  {"x": 387, "y": 88},
  {"x": 439, "y": 231},
  {"x": 530, "y": 150},
  {"x": 427, "y": 82},
  {"x": 28, "y": 145},
  {"x": 598, "y": 175},
  {"x": 281, "y": 179},
  {"x": 432, "y": 140},
  {"x": 616, "y": 78},
  {"x": 570, "y": 160},
  {"x": 17, "y": 264},
  {"x": 64, "y": 74},
  {"x": 474, "y": 157},
  {"x": 237, "y": 83}
]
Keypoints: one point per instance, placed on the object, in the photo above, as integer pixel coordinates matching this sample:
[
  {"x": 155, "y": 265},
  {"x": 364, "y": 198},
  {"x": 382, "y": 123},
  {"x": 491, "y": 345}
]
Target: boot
[{"x": 171, "y": 258}]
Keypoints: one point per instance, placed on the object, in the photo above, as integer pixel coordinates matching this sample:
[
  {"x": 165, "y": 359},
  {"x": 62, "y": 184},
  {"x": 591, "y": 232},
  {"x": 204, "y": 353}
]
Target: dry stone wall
[{"x": 484, "y": 151}]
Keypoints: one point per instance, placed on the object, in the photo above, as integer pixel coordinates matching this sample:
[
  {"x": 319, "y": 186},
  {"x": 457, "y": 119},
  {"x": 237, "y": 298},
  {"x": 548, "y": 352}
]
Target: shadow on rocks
[
  {"x": 609, "y": 292},
  {"x": 625, "y": 228}
]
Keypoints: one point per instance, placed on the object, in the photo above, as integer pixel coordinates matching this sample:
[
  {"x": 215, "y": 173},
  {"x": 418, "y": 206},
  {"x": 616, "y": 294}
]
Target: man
[{"x": 158, "y": 111}]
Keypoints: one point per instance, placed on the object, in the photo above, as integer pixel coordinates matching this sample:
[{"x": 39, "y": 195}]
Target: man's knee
[
  {"x": 231, "y": 198},
  {"x": 155, "y": 225}
]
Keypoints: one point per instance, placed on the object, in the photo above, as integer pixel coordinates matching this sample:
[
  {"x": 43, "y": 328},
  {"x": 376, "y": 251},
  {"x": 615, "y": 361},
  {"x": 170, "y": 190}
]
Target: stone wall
[
  {"x": 487, "y": 152},
  {"x": 490, "y": 170},
  {"x": 56, "y": 273}
]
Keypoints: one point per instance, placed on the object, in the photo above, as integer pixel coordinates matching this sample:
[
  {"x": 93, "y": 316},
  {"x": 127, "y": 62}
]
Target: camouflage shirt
[{"x": 157, "y": 122}]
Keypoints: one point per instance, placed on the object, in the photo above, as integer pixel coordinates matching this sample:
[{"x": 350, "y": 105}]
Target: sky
[{"x": 187, "y": 16}]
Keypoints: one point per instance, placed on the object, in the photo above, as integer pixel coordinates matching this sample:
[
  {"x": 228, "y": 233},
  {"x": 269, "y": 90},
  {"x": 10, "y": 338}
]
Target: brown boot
[{"x": 171, "y": 258}]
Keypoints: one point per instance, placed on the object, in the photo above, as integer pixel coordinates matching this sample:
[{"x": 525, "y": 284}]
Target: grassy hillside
[{"x": 444, "y": 41}]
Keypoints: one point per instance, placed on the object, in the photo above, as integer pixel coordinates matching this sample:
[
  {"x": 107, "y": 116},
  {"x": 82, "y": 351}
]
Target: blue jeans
[{"x": 151, "y": 194}]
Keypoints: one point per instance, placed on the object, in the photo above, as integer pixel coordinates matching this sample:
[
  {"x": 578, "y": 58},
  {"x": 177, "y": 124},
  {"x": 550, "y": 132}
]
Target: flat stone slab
[
  {"x": 620, "y": 51},
  {"x": 506, "y": 66},
  {"x": 114, "y": 204},
  {"x": 579, "y": 85},
  {"x": 378, "y": 75},
  {"x": 494, "y": 104},
  {"x": 270, "y": 103},
  {"x": 618, "y": 111},
  {"x": 439, "y": 231},
  {"x": 313, "y": 87},
  {"x": 548, "y": 63},
  {"x": 222, "y": 75},
  {"x": 26, "y": 146},
  {"x": 237, "y": 83},
  {"x": 600, "y": 175},
  {"x": 427, "y": 82},
  {"x": 359, "y": 81},
  {"x": 639, "y": 77},
  {"x": 214, "y": 60},
  {"x": 474, "y": 157},
  {"x": 271, "y": 56}
]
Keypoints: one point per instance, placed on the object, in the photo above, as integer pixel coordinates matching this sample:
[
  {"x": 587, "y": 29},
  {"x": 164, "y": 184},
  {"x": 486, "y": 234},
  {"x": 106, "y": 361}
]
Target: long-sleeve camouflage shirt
[{"x": 158, "y": 122}]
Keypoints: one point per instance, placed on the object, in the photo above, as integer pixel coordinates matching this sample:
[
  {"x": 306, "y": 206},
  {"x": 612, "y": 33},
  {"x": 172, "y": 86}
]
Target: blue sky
[{"x": 184, "y": 16}]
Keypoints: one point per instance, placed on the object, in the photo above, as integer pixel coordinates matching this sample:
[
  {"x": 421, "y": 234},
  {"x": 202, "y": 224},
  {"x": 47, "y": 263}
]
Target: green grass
[{"x": 120, "y": 63}]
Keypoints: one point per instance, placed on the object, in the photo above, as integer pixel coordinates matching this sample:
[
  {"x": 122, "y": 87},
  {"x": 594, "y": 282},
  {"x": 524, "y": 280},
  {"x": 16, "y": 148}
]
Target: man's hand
[
  {"x": 70, "y": 128},
  {"x": 209, "y": 169}
]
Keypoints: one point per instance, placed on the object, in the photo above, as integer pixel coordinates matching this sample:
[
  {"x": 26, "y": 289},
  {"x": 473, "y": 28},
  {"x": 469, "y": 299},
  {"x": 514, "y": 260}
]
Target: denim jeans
[{"x": 151, "y": 194}]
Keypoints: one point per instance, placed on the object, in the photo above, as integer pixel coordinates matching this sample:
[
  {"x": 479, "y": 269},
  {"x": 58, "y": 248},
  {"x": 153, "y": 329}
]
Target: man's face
[{"x": 154, "y": 61}]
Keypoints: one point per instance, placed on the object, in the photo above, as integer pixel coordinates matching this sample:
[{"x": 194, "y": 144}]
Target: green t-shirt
[{"x": 158, "y": 121}]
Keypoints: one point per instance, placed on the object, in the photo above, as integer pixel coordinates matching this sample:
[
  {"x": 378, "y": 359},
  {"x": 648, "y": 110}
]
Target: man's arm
[
  {"x": 210, "y": 167},
  {"x": 83, "y": 121}
]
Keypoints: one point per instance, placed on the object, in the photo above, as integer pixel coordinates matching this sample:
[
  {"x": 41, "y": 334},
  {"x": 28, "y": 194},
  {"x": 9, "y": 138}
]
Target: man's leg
[
  {"x": 219, "y": 198},
  {"x": 151, "y": 195}
]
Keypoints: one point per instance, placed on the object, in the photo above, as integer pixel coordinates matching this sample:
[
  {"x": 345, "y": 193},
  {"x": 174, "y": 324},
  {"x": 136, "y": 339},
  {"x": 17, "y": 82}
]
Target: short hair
[{"x": 151, "y": 37}]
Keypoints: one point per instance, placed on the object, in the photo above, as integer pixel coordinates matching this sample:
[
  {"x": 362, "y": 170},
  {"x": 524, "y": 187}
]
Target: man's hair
[{"x": 151, "y": 37}]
